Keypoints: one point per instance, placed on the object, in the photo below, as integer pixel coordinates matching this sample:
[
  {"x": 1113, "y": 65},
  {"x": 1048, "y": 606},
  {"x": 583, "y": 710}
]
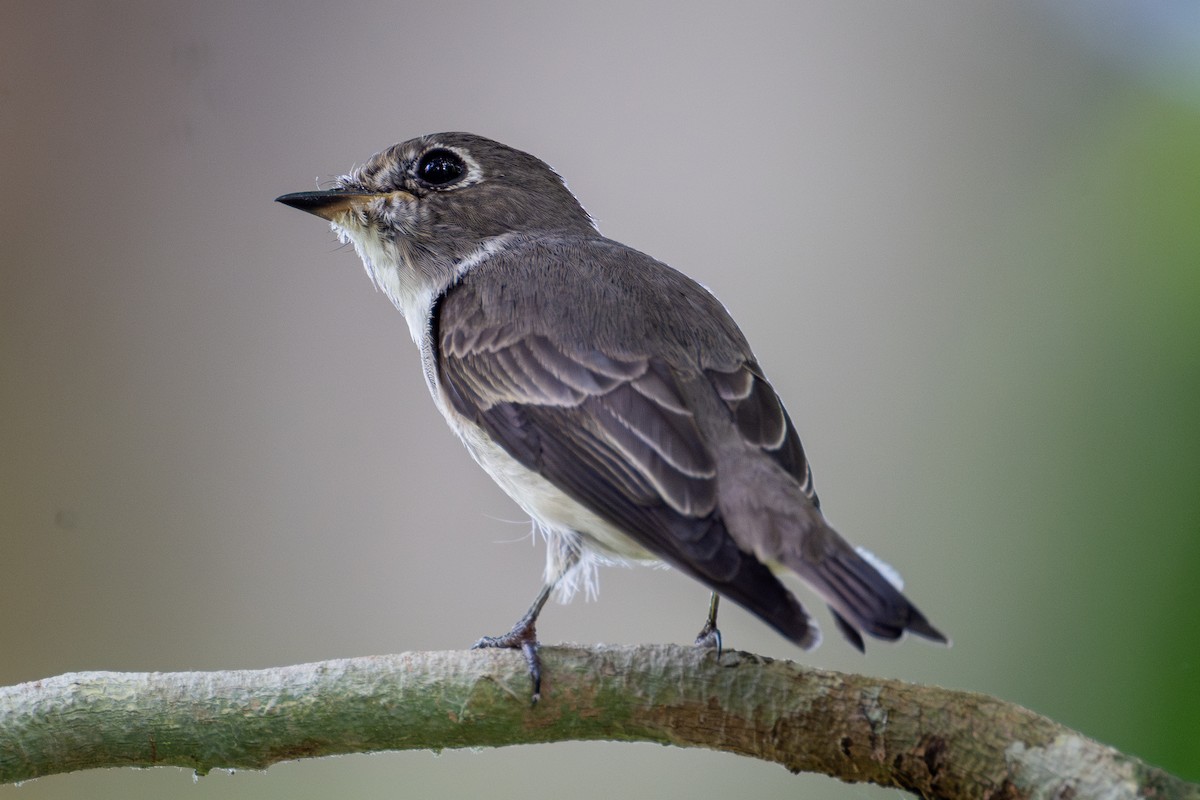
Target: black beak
[{"x": 326, "y": 204}]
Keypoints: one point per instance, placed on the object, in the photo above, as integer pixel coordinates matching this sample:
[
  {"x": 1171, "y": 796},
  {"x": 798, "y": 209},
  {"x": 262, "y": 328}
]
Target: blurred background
[{"x": 963, "y": 238}]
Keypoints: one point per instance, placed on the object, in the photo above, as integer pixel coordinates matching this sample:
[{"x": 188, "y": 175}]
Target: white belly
[
  {"x": 570, "y": 529},
  {"x": 544, "y": 501}
]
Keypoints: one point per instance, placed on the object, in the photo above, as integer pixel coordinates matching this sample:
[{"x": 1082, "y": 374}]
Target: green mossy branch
[{"x": 933, "y": 742}]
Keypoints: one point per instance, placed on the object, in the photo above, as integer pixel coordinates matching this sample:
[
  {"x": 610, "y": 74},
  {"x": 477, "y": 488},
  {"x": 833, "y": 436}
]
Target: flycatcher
[{"x": 612, "y": 397}]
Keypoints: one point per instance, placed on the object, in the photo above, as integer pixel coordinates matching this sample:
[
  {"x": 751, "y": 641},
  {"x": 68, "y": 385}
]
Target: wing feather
[{"x": 763, "y": 421}]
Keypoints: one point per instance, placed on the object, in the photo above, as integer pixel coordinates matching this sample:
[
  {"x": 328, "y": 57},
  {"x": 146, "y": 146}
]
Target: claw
[
  {"x": 522, "y": 637},
  {"x": 710, "y": 635},
  {"x": 710, "y": 639}
]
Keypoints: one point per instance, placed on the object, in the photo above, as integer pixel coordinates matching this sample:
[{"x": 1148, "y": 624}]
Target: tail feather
[
  {"x": 751, "y": 584},
  {"x": 860, "y": 596},
  {"x": 849, "y": 631},
  {"x": 760, "y": 592}
]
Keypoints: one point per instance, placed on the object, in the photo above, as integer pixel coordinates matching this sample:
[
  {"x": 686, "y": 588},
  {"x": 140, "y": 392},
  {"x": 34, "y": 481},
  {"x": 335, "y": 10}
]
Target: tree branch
[{"x": 930, "y": 741}]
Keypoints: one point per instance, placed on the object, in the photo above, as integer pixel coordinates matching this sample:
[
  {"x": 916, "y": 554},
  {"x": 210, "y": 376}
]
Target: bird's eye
[{"x": 440, "y": 167}]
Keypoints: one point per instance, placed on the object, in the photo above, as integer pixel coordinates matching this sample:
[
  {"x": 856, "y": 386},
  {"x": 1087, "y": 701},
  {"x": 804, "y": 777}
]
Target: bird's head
[{"x": 418, "y": 210}]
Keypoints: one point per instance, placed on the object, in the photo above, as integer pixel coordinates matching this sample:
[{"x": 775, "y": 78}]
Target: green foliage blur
[{"x": 1107, "y": 347}]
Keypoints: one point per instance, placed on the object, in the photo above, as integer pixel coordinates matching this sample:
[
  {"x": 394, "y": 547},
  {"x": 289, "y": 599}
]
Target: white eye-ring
[{"x": 442, "y": 167}]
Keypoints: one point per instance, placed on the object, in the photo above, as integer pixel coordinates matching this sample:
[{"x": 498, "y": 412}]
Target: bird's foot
[
  {"x": 523, "y": 637},
  {"x": 709, "y": 638}
]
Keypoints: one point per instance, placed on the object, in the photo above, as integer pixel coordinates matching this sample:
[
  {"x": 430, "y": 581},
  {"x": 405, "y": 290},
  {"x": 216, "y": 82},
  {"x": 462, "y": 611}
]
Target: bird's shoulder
[{"x": 590, "y": 293}]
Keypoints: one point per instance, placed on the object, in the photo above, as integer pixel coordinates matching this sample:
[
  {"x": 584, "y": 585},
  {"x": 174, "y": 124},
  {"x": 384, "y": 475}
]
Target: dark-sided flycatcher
[{"x": 613, "y": 398}]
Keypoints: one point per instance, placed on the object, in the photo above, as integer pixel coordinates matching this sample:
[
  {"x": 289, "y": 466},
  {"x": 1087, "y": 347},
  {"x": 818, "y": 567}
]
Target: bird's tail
[{"x": 862, "y": 593}]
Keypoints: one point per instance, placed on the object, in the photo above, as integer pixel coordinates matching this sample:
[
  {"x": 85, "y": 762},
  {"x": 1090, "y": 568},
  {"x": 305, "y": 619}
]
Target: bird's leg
[
  {"x": 523, "y": 637},
  {"x": 709, "y": 636},
  {"x": 563, "y": 555}
]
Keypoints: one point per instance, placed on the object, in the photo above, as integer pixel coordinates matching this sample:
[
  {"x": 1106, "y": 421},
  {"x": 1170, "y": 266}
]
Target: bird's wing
[
  {"x": 763, "y": 422},
  {"x": 610, "y": 427}
]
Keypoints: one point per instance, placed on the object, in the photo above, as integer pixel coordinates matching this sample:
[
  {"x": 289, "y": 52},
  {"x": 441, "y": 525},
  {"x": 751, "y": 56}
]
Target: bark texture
[{"x": 930, "y": 741}]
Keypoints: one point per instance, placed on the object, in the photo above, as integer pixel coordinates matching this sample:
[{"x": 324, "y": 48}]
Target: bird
[{"x": 612, "y": 397}]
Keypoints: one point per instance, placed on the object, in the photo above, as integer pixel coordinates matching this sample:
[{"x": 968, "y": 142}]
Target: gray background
[{"x": 962, "y": 237}]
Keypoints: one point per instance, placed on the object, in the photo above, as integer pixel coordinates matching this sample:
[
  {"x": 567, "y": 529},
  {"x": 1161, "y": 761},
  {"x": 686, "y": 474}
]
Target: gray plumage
[{"x": 611, "y": 396}]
